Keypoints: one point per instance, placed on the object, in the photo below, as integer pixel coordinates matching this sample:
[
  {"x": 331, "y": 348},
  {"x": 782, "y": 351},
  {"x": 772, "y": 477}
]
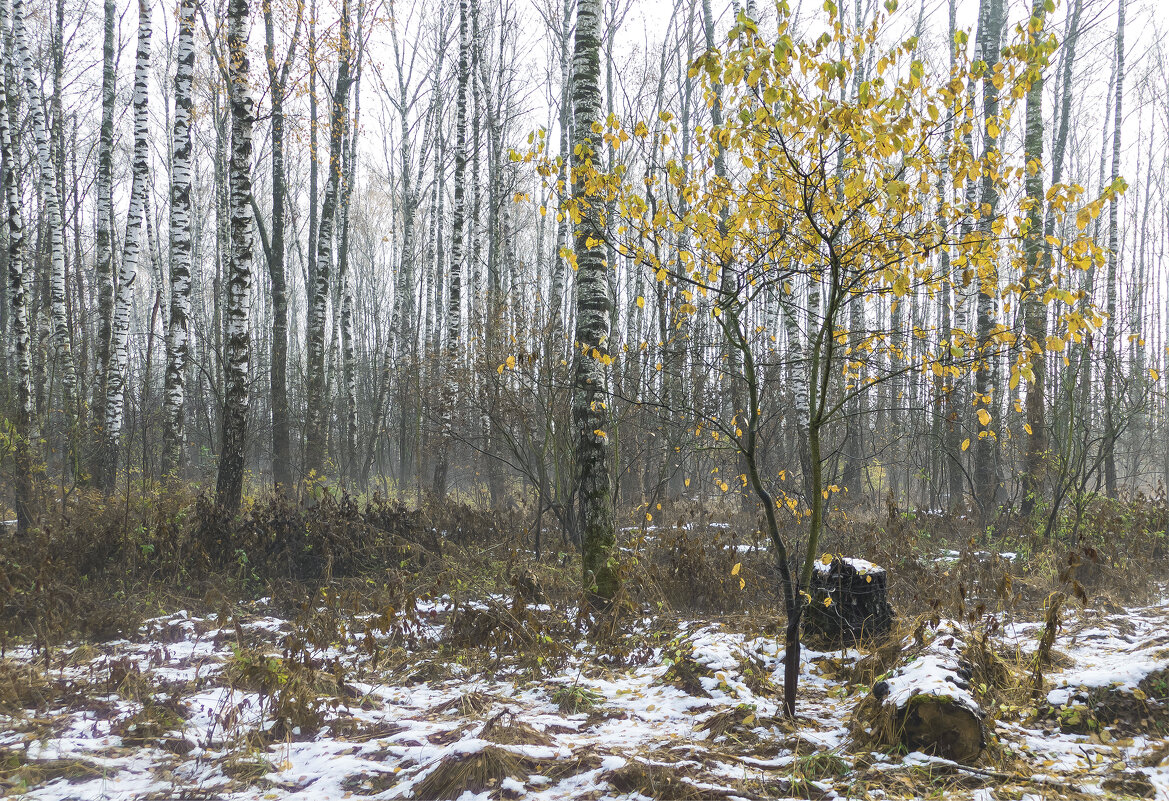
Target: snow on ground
[{"x": 714, "y": 736}]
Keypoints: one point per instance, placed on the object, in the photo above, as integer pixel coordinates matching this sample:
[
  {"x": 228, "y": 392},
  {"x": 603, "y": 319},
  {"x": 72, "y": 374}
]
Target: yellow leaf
[
  {"x": 686, "y": 482},
  {"x": 984, "y": 417},
  {"x": 736, "y": 568},
  {"x": 640, "y": 302},
  {"x": 826, "y": 559},
  {"x": 1027, "y": 427},
  {"x": 648, "y": 517},
  {"x": 511, "y": 362},
  {"x": 742, "y": 584},
  {"x": 966, "y": 443}
]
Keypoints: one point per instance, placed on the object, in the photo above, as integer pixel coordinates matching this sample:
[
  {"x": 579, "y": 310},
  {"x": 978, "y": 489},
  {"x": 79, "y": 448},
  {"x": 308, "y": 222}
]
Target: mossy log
[
  {"x": 849, "y": 600},
  {"x": 926, "y": 704}
]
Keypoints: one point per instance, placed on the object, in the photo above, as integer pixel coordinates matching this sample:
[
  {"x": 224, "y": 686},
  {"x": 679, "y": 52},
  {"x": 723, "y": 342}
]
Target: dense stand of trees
[{"x": 358, "y": 266}]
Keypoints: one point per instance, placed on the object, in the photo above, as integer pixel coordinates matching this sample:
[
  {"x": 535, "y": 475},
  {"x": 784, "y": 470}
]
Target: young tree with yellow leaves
[{"x": 846, "y": 193}]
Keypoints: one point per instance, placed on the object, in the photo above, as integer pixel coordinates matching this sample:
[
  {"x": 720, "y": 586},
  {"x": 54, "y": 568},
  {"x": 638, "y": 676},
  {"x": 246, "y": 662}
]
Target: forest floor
[{"x": 498, "y": 698}]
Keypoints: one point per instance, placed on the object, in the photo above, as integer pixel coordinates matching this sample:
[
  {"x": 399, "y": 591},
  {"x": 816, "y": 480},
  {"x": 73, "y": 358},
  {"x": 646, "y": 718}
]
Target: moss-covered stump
[
  {"x": 849, "y": 600},
  {"x": 925, "y": 704}
]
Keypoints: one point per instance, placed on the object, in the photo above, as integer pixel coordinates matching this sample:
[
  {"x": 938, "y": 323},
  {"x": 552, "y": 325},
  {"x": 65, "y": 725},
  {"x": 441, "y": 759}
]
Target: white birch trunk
[
  {"x": 454, "y": 309},
  {"x": 1110, "y": 355},
  {"x": 590, "y": 398},
  {"x": 316, "y": 416},
  {"x": 131, "y": 253},
  {"x": 52, "y": 200},
  {"x": 237, "y": 339},
  {"x": 178, "y": 333},
  {"x": 21, "y": 337}
]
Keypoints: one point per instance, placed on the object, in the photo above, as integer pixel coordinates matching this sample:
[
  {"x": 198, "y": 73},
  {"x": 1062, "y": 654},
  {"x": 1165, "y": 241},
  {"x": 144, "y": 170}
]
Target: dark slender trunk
[
  {"x": 1035, "y": 283},
  {"x": 104, "y": 255},
  {"x": 278, "y": 369}
]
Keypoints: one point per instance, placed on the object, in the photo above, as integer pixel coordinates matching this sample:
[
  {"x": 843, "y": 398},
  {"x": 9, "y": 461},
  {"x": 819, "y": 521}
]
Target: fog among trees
[{"x": 561, "y": 276}]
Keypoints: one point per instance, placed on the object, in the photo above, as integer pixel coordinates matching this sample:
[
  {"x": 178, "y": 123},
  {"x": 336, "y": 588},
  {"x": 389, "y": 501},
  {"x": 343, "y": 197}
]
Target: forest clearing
[
  {"x": 498, "y": 689},
  {"x": 584, "y": 399}
]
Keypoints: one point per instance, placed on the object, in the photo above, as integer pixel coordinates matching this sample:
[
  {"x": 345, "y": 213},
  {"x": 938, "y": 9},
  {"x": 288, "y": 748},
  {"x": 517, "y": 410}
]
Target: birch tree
[
  {"x": 178, "y": 333},
  {"x": 17, "y": 299},
  {"x": 1111, "y": 423},
  {"x": 990, "y": 33},
  {"x": 590, "y": 400},
  {"x": 131, "y": 253},
  {"x": 237, "y": 336},
  {"x": 61, "y": 335},
  {"x": 316, "y": 412},
  {"x": 454, "y": 308}
]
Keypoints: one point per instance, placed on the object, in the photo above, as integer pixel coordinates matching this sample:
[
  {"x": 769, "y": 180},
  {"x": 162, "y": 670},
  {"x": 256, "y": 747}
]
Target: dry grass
[
  {"x": 483, "y": 770},
  {"x": 657, "y": 781},
  {"x": 23, "y": 686},
  {"x": 468, "y": 705},
  {"x": 18, "y": 774},
  {"x": 246, "y": 768},
  {"x": 150, "y": 724},
  {"x": 506, "y": 728},
  {"x": 738, "y": 722}
]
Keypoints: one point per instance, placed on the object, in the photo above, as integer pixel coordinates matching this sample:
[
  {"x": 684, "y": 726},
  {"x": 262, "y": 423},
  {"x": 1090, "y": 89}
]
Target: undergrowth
[
  {"x": 366, "y": 576},
  {"x": 96, "y": 566}
]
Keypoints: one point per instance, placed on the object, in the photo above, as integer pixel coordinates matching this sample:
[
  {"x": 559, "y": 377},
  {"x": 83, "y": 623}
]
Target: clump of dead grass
[
  {"x": 507, "y": 728},
  {"x": 886, "y": 653},
  {"x": 659, "y": 781},
  {"x": 738, "y": 722},
  {"x": 150, "y": 724},
  {"x": 468, "y": 705},
  {"x": 482, "y": 770},
  {"x": 23, "y": 686},
  {"x": 18, "y": 774},
  {"x": 247, "y": 767}
]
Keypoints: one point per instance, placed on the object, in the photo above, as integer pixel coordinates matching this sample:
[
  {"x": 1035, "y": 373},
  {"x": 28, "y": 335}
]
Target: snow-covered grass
[{"x": 691, "y": 712}]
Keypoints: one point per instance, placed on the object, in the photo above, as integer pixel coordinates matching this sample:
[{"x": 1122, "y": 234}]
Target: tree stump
[
  {"x": 926, "y": 704},
  {"x": 849, "y": 600}
]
